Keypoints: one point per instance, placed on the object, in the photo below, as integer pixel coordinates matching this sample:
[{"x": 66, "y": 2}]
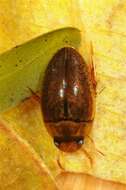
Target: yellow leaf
[
  {"x": 20, "y": 166},
  {"x": 22, "y": 20},
  {"x": 104, "y": 22}
]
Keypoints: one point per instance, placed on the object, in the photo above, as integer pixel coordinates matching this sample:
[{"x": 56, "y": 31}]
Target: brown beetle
[{"x": 68, "y": 100}]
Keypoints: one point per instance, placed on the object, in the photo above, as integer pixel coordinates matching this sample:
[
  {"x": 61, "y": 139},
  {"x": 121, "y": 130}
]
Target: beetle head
[
  {"x": 68, "y": 144},
  {"x": 68, "y": 135}
]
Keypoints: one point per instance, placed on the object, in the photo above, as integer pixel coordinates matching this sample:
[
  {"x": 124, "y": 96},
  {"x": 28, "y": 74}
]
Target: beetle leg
[
  {"x": 88, "y": 156},
  {"x": 92, "y": 68},
  {"x": 95, "y": 146},
  {"x": 35, "y": 95},
  {"x": 101, "y": 90},
  {"x": 90, "y": 138},
  {"x": 59, "y": 164}
]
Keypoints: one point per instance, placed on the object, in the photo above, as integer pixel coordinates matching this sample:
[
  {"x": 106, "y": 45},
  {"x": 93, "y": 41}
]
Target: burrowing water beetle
[{"x": 68, "y": 99}]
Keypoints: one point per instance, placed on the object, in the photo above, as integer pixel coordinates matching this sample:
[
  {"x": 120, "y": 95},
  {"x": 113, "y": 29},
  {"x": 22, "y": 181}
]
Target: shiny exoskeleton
[{"x": 67, "y": 99}]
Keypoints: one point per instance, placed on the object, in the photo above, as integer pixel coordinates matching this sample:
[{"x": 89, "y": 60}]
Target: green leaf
[{"x": 22, "y": 67}]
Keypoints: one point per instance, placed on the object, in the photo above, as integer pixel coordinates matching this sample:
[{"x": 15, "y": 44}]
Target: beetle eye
[
  {"x": 57, "y": 143},
  {"x": 69, "y": 143},
  {"x": 80, "y": 141}
]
